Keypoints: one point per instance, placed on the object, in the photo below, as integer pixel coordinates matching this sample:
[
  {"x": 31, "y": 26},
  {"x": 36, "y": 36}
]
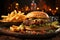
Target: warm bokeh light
[
  {"x": 26, "y": 8},
  {"x": 38, "y": 8},
  {"x": 50, "y": 9},
  {"x": 8, "y": 7},
  {"x": 17, "y": 4},
  {"x": 57, "y": 8}
]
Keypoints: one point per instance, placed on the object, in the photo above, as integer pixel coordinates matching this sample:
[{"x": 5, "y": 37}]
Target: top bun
[{"x": 37, "y": 14}]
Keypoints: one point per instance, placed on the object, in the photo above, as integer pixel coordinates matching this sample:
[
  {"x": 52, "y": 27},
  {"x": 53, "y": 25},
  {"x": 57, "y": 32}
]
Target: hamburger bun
[{"x": 37, "y": 14}]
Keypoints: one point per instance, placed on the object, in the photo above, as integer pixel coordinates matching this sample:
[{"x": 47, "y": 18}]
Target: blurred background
[{"x": 51, "y": 7}]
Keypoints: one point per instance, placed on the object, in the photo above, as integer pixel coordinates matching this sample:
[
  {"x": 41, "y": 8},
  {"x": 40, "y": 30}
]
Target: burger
[{"x": 37, "y": 21}]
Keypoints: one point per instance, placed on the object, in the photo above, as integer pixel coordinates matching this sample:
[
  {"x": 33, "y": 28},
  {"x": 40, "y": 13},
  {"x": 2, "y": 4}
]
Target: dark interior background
[{"x": 4, "y": 4}]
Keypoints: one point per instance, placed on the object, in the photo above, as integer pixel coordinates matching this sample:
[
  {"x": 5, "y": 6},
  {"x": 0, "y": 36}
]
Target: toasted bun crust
[{"x": 37, "y": 14}]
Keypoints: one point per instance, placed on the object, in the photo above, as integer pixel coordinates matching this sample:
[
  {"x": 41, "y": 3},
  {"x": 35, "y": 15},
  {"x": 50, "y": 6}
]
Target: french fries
[
  {"x": 14, "y": 17},
  {"x": 3, "y": 16},
  {"x": 14, "y": 28}
]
